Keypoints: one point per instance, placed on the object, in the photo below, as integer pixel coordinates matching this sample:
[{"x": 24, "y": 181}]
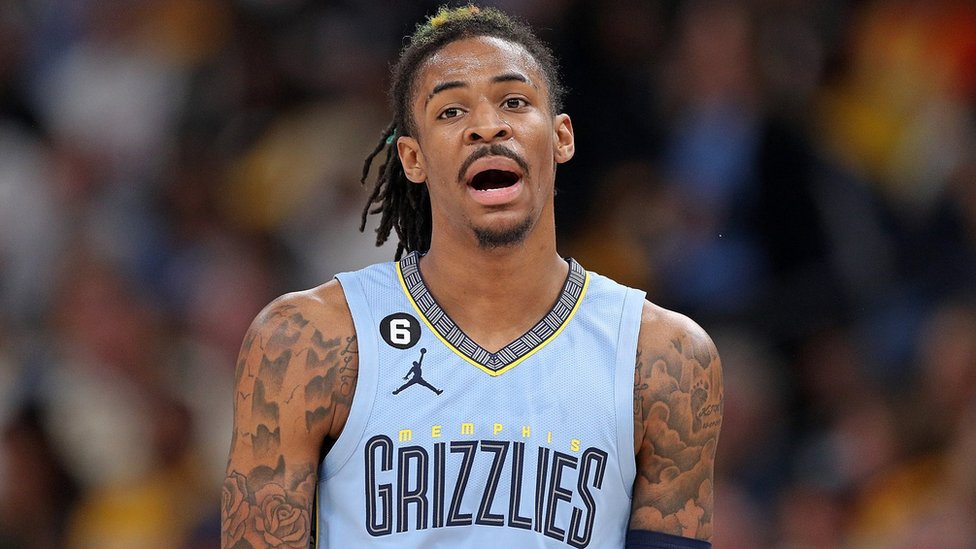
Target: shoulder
[
  {"x": 675, "y": 356},
  {"x": 308, "y": 325},
  {"x": 323, "y": 306},
  {"x": 677, "y": 379},
  {"x": 656, "y": 320},
  {"x": 662, "y": 329},
  {"x": 301, "y": 352}
]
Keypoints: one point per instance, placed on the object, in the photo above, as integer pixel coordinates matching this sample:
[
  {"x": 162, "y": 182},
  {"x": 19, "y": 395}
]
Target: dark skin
[
  {"x": 296, "y": 376},
  {"x": 298, "y": 365},
  {"x": 678, "y": 400}
]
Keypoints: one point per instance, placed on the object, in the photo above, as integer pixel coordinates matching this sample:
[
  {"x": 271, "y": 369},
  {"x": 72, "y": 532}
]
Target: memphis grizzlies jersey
[{"x": 449, "y": 444}]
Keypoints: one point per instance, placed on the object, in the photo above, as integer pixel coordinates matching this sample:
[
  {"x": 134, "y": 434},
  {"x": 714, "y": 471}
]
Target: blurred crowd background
[{"x": 799, "y": 176}]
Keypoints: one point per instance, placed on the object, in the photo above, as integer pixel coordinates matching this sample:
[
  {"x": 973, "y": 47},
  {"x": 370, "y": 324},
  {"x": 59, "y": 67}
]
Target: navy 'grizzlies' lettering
[
  {"x": 417, "y": 494},
  {"x": 595, "y": 459},
  {"x": 467, "y": 448},
  {"x": 500, "y": 449},
  {"x": 540, "y": 486},
  {"x": 379, "y": 521},
  {"x": 515, "y": 494},
  {"x": 557, "y": 493},
  {"x": 439, "y": 474},
  {"x": 411, "y": 488}
]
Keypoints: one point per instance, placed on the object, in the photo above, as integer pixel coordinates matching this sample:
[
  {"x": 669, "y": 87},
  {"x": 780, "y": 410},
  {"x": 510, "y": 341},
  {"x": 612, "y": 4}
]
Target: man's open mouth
[{"x": 493, "y": 179}]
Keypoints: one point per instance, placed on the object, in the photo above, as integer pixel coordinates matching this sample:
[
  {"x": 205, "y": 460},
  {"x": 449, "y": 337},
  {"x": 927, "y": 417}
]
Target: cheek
[
  {"x": 437, "y": 171},
  {"x": 544, "y": 151}
]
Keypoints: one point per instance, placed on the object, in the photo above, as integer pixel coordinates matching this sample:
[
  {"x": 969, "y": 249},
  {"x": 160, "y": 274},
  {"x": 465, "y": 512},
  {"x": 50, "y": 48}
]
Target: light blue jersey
[{"x": 450, "y": 445}]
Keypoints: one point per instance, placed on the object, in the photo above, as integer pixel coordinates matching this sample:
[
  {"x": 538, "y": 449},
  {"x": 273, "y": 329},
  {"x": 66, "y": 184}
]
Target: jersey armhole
[
  {"x": 364, "y": 395},
  {"x": 630, "y": 321}
]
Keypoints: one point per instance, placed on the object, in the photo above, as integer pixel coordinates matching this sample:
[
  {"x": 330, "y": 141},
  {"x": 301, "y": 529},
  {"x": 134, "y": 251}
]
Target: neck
[{"x": 495, "y": 295}]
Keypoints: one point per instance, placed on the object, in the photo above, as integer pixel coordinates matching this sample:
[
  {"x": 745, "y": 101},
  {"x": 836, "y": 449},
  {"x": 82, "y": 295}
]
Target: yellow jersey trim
[{"x": 475, "y": 363}]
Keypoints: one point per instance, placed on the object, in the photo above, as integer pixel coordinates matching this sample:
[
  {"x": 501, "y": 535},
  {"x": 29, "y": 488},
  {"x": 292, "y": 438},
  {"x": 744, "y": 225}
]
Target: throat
[{"x": 496, "y": 303}]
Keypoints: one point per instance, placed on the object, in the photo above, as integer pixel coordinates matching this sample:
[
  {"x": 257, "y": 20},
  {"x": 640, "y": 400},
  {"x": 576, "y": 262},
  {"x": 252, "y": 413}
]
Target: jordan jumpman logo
[{"x": 417, "y": 376}]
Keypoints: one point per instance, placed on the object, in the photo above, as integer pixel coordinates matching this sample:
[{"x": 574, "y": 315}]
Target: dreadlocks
[{"x": 402, "y": 205}]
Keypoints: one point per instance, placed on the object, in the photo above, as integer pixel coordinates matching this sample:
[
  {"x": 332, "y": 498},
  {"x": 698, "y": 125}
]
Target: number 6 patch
[{"x": 400, "y": 330}]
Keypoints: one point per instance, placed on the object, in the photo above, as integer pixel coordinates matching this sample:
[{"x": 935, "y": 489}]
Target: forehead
[{"x": 482, "y": 57}]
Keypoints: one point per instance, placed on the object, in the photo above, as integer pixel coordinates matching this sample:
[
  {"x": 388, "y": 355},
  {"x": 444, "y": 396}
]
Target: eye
[
  {"x": 516, "y": 103},
  {"x": 450, "y": 112}
]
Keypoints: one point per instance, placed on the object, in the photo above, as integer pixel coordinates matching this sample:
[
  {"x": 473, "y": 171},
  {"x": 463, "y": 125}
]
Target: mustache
[{"x": 492, "y": 150}]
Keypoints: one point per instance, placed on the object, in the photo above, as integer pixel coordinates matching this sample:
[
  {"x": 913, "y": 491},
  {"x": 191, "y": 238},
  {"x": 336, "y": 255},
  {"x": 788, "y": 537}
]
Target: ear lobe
[
  {"x": 565, "y": 142},
  {"x": 411, "y": 159}
]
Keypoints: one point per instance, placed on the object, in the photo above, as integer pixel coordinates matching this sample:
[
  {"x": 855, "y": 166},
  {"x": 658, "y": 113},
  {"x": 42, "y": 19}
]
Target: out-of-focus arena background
[{"x": 799, "y": 176}]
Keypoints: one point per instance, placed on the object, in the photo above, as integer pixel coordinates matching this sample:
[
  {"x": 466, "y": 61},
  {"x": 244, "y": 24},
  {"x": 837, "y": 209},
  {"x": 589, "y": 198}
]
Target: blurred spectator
[
  {"x": 32, "y": 225},
  {"x": 38, "y": 492}
]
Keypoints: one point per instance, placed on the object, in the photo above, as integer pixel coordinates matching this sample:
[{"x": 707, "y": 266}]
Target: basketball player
[{"x": 529, "y": 425}]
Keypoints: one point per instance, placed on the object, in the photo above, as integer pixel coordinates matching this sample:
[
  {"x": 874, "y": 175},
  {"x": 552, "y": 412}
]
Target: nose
[{"x": 486, "y": 126}]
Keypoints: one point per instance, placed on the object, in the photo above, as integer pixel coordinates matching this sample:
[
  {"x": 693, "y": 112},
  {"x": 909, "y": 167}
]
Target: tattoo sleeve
[
  {"x": 678, "y": 399},
  {"x": 294, "y": 383}
]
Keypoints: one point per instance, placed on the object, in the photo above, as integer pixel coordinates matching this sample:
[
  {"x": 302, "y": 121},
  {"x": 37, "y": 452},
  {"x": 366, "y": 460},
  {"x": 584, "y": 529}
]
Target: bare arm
[
  {"x": 678, "y": 396},
  {"x": 294, "y": 384}
]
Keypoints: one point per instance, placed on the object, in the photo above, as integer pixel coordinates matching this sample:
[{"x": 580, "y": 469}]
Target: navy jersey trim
[
  {"x": 645, "y": 539},
  {"x": 408, "y": 270}
]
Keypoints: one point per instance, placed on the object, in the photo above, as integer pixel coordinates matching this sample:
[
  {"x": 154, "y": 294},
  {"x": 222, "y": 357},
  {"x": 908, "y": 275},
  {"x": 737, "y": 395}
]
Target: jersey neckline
[{"x": 509, "y": 356}]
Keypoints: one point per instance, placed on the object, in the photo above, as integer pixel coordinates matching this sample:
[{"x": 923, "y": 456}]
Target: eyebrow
[
  {"x": 445, "y": 86},
  {"x": 452, "y": 84},
  {"x": 512, "y": 77}
]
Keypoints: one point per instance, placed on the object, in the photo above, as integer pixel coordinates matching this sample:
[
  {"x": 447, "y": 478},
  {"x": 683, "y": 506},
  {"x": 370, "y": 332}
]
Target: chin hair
[{"x": 489, "y": 239}]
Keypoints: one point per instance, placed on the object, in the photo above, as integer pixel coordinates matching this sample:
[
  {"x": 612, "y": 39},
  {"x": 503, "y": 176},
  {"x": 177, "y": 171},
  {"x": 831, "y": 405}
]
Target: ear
[
  {"x": 411, "y": 158},
  {"x": 564, "y": 144}
]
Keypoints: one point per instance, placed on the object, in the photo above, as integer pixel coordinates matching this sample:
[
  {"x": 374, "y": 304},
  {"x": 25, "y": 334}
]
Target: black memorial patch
[{"x": 400, "y": 330}]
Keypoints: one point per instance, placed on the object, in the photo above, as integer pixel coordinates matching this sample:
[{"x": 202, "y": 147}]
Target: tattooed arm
[
  {"x": 678, "y": 397},
  {"x": 294, "y": 384}
]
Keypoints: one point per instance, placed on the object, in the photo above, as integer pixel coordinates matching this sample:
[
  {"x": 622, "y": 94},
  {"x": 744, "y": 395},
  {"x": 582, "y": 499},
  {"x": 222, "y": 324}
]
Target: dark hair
[{"x": 404, "y": 206}]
